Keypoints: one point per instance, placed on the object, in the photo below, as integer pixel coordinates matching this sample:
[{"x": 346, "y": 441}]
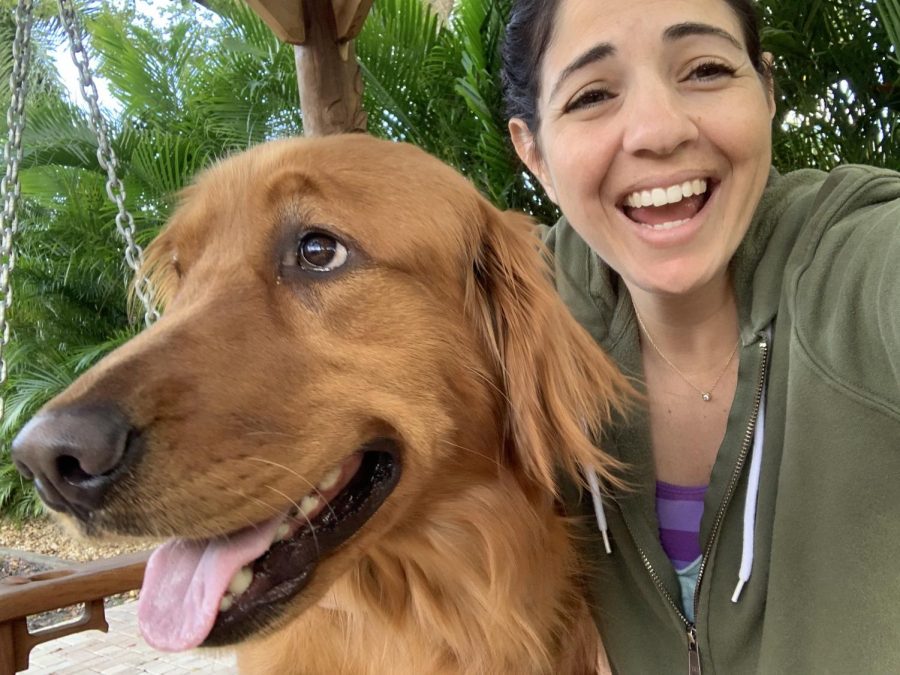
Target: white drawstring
[
  {"x": 750, "y": 502},
  {"x": 598, "y": 507},
  {"x": 752, "y": 491}
]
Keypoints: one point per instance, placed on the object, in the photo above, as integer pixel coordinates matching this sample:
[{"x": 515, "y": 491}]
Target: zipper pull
[{"x": 693, "y": 652}]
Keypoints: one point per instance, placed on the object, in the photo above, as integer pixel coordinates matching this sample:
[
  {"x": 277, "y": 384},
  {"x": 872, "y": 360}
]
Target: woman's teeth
[
  {"x": 662, "y": 196},
  {"x": 669, "y": 225}
]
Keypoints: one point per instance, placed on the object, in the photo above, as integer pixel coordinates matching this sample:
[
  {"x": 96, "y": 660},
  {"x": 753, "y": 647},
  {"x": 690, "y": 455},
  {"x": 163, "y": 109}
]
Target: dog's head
[{"x": 350, "y": 331}]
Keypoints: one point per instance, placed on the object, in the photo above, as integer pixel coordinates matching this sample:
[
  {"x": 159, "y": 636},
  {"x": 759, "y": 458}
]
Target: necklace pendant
[{"x": 706, "y": 396}]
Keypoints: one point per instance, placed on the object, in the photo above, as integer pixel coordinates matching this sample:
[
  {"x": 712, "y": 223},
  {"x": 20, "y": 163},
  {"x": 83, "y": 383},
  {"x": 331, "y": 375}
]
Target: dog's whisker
[
  {"x": 301, "y": 477},
  {"x": 305, "y": 517},
  {"x": 291, "y": 471},
  {"x": 484, "y": 377},
  {"x": 474, "y": 452},
  {"x": 242, "y": 495},
  {"x": 259, "y": 432}
]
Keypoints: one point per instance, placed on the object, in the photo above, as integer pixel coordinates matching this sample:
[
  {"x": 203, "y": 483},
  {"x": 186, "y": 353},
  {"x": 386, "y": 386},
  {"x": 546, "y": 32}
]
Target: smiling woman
[
  {"x": 648, "y": 122},
  {"x": 676, "y": 78}
]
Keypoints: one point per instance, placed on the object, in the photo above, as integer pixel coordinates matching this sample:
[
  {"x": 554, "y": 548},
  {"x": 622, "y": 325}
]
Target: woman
[{"x": 762, "y": 314}]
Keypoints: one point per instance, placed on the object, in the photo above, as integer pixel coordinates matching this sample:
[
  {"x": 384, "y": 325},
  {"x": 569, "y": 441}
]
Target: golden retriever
[{"x": 351, "y": 419}]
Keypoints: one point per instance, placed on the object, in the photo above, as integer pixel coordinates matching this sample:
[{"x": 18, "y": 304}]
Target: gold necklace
[{"x": 705, "y": 395}]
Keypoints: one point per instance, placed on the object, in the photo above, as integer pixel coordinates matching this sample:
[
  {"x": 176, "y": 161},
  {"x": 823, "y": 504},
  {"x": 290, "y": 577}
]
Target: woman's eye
[
  {"x": 589, "y": 99},
  {"x": 319, "y": 252},
  {"x": 710, "y": 71}
]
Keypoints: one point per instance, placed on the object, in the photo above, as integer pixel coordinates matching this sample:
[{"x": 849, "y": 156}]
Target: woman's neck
[{"x": 691, "y": 328}]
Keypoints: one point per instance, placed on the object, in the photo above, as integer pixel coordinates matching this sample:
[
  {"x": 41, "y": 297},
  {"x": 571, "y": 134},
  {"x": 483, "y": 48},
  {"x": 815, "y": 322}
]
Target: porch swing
[{"x": 330, "y": 87}]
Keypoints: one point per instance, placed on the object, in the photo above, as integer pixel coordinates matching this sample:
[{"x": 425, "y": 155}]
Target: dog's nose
[{"x": 73, "y": 455}]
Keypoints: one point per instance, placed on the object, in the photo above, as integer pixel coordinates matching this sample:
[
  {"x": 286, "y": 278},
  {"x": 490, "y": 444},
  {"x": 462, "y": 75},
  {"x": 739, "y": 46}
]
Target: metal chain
[
  {"x": 134, "y": 256},
  {"x": 9, "y": 184}
]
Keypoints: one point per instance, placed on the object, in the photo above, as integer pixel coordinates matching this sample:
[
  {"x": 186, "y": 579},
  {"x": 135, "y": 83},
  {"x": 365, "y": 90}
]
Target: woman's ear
[
  {"x": 769, "y": 77},
  {"x": 527, "y": 149},
  {"x": 560, "y": 388}
]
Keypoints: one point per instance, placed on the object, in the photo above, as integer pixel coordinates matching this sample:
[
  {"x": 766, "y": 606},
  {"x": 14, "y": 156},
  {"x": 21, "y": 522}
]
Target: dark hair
[{"x": 528, "y": 33}]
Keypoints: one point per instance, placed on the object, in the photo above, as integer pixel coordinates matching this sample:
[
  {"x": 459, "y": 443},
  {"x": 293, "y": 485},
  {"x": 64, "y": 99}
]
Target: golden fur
[{"x": 442, "y": 332}]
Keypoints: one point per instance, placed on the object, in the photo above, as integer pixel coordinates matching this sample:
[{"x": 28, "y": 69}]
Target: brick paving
[{"x": 120, "y": 651}]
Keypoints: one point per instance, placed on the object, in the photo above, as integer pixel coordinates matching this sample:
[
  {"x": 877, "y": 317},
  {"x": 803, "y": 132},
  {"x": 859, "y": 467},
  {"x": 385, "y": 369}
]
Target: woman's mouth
[{"x": 667, "y": 207}]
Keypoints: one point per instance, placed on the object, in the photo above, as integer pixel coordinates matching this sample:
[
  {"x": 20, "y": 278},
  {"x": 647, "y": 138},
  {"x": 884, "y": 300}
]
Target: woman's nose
[{"x": 657, "y": 120}]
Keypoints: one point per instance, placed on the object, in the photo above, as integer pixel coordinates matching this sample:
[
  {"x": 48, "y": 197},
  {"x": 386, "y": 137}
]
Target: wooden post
[
  {"x": 7, "y": 649},
  {"x": 328, "y": 75}
]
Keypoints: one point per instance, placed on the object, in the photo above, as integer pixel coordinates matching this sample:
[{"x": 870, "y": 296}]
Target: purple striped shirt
[{"x": 679, "y": 510}]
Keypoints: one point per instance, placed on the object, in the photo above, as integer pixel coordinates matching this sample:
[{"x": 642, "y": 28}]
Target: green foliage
[
  {"x": 209, "y": 83},
  {"x": 436, "y": 84},
  {"x": 200, "y": 88},
  {"x": 838, "y": 81}
]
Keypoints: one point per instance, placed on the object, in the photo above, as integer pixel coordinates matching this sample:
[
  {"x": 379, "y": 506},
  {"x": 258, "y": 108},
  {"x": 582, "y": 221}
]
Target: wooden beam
[
  {"x": 285, "y": 19},
  {"x": 349, "y": 17},
  {"x": 288, "y": 20}
]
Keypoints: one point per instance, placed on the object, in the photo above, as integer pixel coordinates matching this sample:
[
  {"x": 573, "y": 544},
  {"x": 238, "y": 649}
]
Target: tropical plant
[
  {"x": 838, "y": 81},
  {"x": 209, "y": 81}
]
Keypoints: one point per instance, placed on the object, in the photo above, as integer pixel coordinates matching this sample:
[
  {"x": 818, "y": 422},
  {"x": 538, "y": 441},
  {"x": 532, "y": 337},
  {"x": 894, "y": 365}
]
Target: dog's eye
[{"x": 320, "y": 252}]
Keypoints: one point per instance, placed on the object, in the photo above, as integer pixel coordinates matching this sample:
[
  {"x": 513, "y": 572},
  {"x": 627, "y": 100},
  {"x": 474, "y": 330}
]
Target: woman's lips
[
  {"x": 661, "y": 216},
  {"x": 671, "y": 224}
]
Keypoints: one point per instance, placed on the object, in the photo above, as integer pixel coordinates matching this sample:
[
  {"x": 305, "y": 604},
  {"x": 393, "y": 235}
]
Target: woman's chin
[{"x": 677, "y": 280}]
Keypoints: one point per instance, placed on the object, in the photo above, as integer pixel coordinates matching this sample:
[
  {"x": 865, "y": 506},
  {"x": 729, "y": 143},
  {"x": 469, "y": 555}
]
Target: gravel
[{"x": 44, "y": 537}]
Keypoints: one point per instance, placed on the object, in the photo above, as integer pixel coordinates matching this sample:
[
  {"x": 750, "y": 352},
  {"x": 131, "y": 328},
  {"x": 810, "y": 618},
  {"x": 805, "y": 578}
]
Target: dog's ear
[{"x": 560, "y": 387}]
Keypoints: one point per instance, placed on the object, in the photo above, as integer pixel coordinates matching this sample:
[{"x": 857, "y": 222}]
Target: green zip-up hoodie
[{"x": 820, "y": 265}]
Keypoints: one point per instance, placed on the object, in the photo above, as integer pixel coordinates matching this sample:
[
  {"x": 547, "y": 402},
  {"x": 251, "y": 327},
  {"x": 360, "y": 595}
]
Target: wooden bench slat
[{"x": 64, "y": 587}]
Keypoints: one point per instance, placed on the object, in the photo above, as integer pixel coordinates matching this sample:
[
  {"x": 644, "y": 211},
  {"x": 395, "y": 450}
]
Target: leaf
[{"x": 889, "y": 10}]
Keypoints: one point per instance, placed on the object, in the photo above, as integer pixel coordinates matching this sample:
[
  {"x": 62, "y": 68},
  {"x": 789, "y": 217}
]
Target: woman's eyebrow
[
  {"x": 677, "y": 31},
  {"x": 596, "y": 53},
  {"x": 689, "y": 29}
]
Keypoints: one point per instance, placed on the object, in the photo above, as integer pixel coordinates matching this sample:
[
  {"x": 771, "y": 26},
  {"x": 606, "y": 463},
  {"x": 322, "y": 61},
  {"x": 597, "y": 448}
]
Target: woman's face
[{"x": 655, "y": 136}]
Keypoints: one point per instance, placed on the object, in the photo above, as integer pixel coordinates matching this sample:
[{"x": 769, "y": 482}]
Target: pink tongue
[
  {"x": 185, "y": 581},
  {"x": 657, "y": 215}
]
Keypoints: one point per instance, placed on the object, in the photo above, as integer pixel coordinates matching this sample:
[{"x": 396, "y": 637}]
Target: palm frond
[{"x": 889, "y": 10}]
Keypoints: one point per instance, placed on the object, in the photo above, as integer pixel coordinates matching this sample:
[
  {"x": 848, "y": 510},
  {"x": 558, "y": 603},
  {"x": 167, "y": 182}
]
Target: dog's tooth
[
  {"x": 226, "y": 602},
  {"x": 282, "y": 532},
  {"x": 330, "y": 480},
  {"x": 241, "y": 581},
  {"x": 309, "y": 504}
]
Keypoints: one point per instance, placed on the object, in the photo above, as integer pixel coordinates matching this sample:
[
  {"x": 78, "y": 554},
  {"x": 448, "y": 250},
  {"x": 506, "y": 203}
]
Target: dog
[{"x": 351, "y": 423}]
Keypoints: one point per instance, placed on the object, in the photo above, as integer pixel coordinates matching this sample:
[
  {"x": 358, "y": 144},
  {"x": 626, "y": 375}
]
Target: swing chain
[
  {"x": 10, "y": 188},
  {"x": 115, "y": 189}
]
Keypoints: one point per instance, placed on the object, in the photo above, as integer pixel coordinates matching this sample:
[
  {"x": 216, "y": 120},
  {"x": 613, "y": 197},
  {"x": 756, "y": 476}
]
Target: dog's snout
[{"x": 73, "y": 455}]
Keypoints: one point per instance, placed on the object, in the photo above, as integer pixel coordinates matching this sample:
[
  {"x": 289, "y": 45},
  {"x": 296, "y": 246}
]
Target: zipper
[
  {"x": 691, "y": 627},
  {"x": 693, "y": 652},
  {"x": 739, "y": 467}
]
